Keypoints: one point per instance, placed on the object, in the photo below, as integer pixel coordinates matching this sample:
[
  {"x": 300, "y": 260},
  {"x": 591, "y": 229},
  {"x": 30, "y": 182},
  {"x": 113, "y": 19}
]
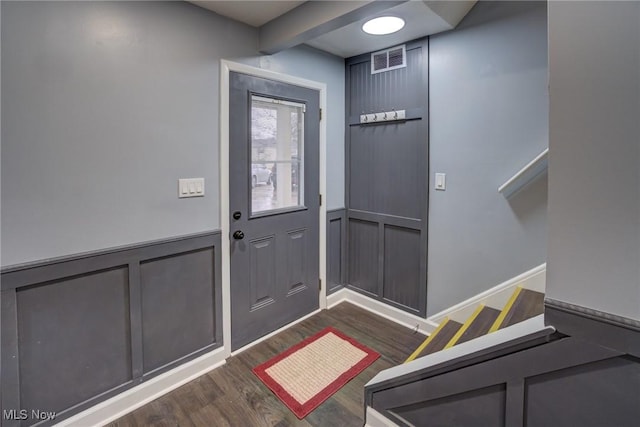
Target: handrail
[
  {"x": 525, "y": 175},
  {"x": 528, "y": 333}
]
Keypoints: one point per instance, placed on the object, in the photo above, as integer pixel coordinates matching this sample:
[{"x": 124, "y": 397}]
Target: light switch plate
[
  {"x": 441, "y": 181},
  {"x": 190, "y": 187}
]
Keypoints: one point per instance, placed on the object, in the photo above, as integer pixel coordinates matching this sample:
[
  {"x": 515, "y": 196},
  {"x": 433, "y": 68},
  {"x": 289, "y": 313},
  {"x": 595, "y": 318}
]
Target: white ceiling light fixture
[{"x": 383, "y": 25}]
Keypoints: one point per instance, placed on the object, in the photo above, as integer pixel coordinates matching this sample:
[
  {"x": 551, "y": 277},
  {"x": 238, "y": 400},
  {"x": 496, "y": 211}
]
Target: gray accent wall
[
  {"x": 488, "y": 106},
  {"x": 387, "y": 178},
  {"x": 594, "y": 161},
  {"x": 105, "y": 105},
  {"x": 77, "y": 330}
]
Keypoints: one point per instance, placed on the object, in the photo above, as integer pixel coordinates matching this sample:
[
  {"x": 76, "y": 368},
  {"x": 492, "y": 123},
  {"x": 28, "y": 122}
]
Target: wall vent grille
[{"x": 389, "y": 59}]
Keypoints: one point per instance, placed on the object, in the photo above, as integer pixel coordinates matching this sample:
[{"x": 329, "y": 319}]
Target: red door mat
[{"x": 308, "y": 373}]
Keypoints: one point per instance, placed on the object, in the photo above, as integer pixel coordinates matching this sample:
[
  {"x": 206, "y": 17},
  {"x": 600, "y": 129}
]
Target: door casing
[{"x": 225, "y": 68}]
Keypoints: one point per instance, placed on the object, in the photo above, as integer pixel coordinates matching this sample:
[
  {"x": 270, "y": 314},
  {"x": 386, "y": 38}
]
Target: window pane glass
[{"x": 277, "y": 155}]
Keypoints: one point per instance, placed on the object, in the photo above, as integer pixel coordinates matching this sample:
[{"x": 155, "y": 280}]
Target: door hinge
[
  {"x": 321, "y": 114},
  {"x": 320, "y": 199},
  {"x": 319, "y": 285}
]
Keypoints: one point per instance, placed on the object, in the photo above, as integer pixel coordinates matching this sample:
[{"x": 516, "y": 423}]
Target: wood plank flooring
[{"x": 233, "y": 396}]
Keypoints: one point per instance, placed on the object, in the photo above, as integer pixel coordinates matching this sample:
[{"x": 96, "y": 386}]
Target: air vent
[{"x": 389, "y": 59}]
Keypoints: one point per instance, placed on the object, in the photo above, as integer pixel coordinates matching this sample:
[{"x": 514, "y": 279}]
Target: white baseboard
[
  {"x": 495, "y": 297},
  {"x": 381, "y": 309},
  {"x": 129, "y": 400},
  {"x": 337, "y": 297},
  {"x": 376, "y": 419}
]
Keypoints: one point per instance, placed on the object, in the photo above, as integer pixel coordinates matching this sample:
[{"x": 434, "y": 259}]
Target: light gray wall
[
  {"x": 488, "y": 112},
  {"x": 594, "y": 163},
  {"x": 106, "y": 105}
]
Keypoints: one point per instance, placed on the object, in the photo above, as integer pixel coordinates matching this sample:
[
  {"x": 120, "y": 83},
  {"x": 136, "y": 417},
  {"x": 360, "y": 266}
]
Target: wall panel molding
[
  {"x": 106, "y": 321},
  {"x": 620, "y": 333},
  {"x": 336, "y": 244}
]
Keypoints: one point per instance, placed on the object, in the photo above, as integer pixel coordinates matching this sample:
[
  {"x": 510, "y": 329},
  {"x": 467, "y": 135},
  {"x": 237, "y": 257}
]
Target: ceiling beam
[
  {"x": 314, "y": 18},
  {"x": 451, "y": 12}
]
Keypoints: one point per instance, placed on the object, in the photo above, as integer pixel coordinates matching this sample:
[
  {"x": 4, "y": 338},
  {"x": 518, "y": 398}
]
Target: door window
[{"x": 277, "y": 155}]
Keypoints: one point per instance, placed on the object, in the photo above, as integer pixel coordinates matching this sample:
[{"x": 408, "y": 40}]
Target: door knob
[{"x": 238, "y": 235}]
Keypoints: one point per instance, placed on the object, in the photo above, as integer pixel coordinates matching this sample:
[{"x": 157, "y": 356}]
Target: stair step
[
  {"x": 437, "y": 340},
  {"x": 528, "y": 304},
  {"x": 524, "y": 304},
  {"x": 480, "y": 324}
]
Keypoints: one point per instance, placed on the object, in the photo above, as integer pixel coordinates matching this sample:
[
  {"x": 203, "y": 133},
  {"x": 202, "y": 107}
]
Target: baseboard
[
  {"x": 496, "y": 297},
  {"x": 376, "y": 419},
  {"x": 381, "y": 309},
  {"x": 125, "y": 402},
  {"x": 337, "y": 297}
]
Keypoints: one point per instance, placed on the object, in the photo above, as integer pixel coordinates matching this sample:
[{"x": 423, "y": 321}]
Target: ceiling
[
  {"x": 336, "y": 26},
  {"x": 254, "y": 13}
]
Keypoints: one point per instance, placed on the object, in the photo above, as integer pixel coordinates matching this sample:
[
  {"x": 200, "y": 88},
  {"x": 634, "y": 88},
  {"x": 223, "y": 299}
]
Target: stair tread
[
  {"x": 528, "y": 304},
  {"x": 481, "y": 324},
  {"x": 441, "y": 339}
]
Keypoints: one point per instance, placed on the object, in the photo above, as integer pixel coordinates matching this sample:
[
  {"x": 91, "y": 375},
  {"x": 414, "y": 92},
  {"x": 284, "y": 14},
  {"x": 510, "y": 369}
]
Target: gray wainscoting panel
[
  {"x": 78, "y": 330},
  {"x": 10, "y": 395},
  {"x": 177, "y": 296},
  {"x": 606, "y": 329},
  {"x": 482, "y": 407},
  {"x": 603, "y": 393},
  {"x": 336, "y": 254},
  {"x": 387, "y": 180},
  {"x": 402, "y": 267},
  {"x": 363, "y": 255},
  {"x": 74, "y": 339},
  {"x": 388, "y": 169}
]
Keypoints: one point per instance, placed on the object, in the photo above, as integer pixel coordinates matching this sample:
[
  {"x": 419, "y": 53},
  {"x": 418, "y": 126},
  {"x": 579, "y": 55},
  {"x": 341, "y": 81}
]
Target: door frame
[{"x": 225, "y": 68}]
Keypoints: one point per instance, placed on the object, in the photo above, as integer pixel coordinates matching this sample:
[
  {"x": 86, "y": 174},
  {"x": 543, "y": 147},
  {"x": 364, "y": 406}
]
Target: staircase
[
  {"x": 505, "y": 362},
  {"x": 522, "y": 305}
]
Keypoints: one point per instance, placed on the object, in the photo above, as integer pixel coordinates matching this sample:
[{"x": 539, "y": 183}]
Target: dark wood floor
[{"x": 233, "y": 396}]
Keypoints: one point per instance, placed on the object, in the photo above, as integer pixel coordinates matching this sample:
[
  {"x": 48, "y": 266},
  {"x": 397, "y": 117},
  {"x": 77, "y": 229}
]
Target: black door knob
[{"x": 238, "y": 235}]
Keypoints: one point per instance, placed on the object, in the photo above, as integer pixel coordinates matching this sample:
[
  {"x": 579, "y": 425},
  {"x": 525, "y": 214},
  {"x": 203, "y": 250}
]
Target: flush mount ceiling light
[{"x": 383, "y": 25}]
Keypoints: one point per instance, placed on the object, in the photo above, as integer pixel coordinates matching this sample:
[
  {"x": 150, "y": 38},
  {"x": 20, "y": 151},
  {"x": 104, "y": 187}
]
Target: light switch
[
  {"x": 441, "y": 181},
  {"x": 190, "y": 187}
]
